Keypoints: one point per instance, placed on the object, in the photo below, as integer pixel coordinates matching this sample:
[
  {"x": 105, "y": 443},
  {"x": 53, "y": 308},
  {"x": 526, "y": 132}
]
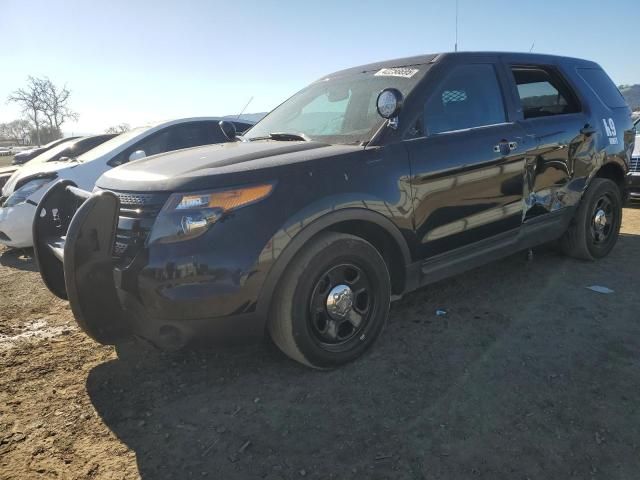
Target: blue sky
[{"x": 138, "y": 61}]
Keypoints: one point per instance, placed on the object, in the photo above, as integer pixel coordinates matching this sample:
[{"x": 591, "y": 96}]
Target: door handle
[
  {"x": 505, "y": 147},
  {"x": 587, "y": 130}
]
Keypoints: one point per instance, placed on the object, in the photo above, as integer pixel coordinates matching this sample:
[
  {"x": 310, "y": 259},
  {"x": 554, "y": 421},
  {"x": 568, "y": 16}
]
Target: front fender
[{"x": 292, "y": 237}]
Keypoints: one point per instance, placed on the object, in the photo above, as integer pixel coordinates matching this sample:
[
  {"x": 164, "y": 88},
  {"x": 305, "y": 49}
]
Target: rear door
[
  {"x": 550, "y": 112},
  {"x": 467, "y": 160}
]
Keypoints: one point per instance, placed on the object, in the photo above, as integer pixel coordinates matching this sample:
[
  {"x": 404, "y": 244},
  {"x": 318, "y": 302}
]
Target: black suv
[{"x": 369, "y": 183}]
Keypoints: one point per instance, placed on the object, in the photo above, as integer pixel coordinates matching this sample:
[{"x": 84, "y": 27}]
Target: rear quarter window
[{"x": 603, "y": 87}]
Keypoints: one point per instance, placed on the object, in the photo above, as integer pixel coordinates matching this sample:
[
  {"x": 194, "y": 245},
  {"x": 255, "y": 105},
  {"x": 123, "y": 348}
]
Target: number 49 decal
[{"x": 610, "y": 130}]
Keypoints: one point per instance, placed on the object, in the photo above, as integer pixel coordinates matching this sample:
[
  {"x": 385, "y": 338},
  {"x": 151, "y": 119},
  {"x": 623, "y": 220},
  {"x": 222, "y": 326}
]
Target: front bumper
[
  {"x": 15, "y": 225},
  {"x": 633, "y": 185},
  {"x": 163, "y": 295}
]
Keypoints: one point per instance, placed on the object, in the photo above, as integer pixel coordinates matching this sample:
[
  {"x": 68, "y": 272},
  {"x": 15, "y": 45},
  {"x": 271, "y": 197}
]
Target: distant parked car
[
  {"x": 26, "y": 155},
  {"x": 72, "y": 149},
  {"x": 25, "y": 188},
  {"x": 633, "y": 177},
  {"x": 67, "y": 150}
]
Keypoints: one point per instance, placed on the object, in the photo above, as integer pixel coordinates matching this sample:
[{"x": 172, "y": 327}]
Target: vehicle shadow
[
  {"x": 512, "y": 381},
  {"x": 18, "y": 258}
]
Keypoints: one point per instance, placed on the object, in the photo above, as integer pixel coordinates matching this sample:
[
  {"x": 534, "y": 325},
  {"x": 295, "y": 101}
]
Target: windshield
[
  {"x": 49, "y": 154},
  {"x": 339, "y": 110},
  {"x": 112, "y": 144},
  {"x": 52, "y": 143}
]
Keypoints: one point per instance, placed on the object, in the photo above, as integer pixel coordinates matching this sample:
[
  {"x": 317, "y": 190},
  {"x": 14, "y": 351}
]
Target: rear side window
[
  {"x": 543, "y": 93},
  {"x": 469, "y": 97},
  {"x": 603, "y": 87}
]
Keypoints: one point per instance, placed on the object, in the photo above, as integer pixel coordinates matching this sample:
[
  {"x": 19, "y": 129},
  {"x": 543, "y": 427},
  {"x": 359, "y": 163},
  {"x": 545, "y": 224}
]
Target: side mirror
[
  {"x": 137, "y": 155},
  {"x": 228, "y": 129},
  {"x": 389, "y": 103}
]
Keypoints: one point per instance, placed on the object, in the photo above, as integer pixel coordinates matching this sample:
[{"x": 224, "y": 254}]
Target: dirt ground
[{"x": 529, "y": 375}]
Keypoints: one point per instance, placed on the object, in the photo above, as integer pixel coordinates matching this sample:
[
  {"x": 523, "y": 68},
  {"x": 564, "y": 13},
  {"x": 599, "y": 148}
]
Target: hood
[
  {"x": 173, "y": 170},
  {"x": 34, "y": 170}
]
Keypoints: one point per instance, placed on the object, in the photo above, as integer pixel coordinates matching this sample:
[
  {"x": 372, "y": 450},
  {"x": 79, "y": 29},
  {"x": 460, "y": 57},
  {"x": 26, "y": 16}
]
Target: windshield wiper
[{"x": 284, "y": 137}]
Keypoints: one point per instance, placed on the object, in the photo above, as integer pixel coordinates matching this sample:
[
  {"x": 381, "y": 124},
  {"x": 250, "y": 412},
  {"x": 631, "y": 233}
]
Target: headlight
[
  {"x": 25, "y": 191},
  {"x": 188, "y": 215}
]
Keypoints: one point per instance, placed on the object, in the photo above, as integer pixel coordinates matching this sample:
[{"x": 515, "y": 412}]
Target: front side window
[
  {"x": 338, "y": 109},
  {"x": 543, "y": 93},
  {"x": 154, "y": 144},
  {"x": 187, "y": 135},
  {"x": 469, "y": 97}
]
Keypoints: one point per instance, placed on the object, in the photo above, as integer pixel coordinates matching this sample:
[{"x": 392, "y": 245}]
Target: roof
[
  {"x": 176, "y": 121},
  {"x": 436, "y": 57}
]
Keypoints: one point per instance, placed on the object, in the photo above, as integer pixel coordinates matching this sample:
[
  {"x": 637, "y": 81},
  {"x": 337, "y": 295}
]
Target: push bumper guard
[{"x": 74, "y": 232}]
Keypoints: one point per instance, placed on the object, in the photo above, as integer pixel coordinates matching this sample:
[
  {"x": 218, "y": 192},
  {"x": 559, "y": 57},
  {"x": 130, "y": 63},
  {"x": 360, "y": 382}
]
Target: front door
[{"x": 468, "y": 166}]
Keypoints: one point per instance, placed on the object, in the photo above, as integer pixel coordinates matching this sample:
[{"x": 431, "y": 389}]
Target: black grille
[
  {"x": 634, "y": 165},
  {"x": 138, "y": 211}
]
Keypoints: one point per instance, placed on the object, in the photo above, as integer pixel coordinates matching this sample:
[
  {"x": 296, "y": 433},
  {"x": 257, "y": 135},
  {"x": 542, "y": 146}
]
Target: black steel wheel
[
  {"x": 340, "y": 306},
  {"x": 602, "y": 220},
  {"x": 594, "y": 230},
  {"x": 332, "y": 302}
]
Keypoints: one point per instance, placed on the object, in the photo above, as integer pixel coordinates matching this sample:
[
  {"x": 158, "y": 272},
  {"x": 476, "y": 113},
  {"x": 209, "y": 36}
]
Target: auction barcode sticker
[{"x": 396, "y": 72}]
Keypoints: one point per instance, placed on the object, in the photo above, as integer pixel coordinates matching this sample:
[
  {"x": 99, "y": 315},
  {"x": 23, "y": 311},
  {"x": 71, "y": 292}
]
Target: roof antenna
[
  {"x": 532, "y": 45},
  {"x": 245, "y": 107},
  {"x": 456, "y": 47}
]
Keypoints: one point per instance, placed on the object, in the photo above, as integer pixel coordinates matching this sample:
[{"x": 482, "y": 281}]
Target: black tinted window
[
  {"x": 186, "y": 135},
  {"x": 214, "y": 133},
  {"x": 154, "y": 144},
  {"x": 542, "y": 93},
  {"x": 470, "y": 96},
  {"x": 195, "y": 134},
  {"x": 242, "y": 127},
  {"x": 603, "y": 86}
]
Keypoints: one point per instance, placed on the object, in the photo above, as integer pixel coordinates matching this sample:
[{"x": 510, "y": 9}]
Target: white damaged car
[{"x": 23, "y": 191}]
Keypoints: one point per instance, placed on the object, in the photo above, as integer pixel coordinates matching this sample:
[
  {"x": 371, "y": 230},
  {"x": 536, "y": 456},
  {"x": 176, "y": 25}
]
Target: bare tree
[
  {"x": 30, "y": 100},
  {"x": 121, "y": 128},
  {"x": 55, "y": 102},
  {"x": 18, "y": 130}
]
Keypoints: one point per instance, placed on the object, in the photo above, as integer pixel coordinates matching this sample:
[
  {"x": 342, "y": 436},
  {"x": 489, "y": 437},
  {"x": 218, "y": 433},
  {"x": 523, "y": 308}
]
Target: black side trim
[{"x": 534, "y": 232}]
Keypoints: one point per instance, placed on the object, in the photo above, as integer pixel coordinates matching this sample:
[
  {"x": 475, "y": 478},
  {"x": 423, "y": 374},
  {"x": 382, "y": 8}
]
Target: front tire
[
  {"x": 594, "y": 230},
  {"x": 332, "y": 302}
]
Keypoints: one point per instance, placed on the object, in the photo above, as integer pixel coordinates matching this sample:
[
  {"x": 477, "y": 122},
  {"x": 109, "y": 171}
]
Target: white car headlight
[{"x": 25, "y": 191}]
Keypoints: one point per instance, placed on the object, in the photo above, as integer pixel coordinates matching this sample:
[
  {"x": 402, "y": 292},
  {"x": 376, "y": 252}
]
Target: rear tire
[
  {"x": 594, "y": 229},
  {"x": 332, "y": 302}
]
